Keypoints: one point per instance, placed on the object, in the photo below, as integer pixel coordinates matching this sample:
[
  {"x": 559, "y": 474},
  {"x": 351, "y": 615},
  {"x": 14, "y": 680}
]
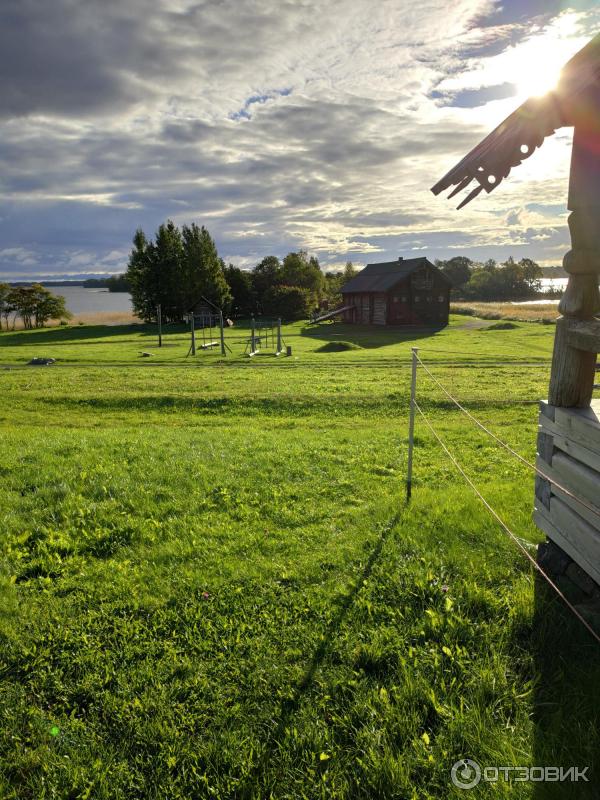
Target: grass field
[
  {"x": 212, "y": 587},
  {"x": 520, "y": 312}
]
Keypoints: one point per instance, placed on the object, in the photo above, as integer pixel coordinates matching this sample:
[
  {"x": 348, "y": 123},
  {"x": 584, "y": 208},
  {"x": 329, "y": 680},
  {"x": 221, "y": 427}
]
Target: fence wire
[
  {"x": 592, "y": 509},
  {"x": 506, "y": 529},
  {"x": 521, "y": 543}
]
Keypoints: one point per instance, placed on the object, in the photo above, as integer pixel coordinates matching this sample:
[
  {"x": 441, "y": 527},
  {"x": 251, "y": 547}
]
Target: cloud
[{"x": 278, "y": 125}]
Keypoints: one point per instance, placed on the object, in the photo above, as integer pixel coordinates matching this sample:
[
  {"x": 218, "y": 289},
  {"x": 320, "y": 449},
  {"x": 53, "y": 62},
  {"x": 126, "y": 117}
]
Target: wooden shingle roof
[{"x": 381, "y": 277}]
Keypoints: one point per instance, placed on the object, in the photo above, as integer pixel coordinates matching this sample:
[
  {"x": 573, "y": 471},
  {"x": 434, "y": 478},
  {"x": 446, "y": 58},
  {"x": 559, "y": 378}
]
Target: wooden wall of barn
[
  {"x": 420, "y": 299},
  {"x": 370, "y": 308}
]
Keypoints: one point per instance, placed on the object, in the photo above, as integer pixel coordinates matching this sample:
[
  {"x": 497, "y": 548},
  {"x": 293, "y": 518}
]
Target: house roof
[{"x": 381, "y": 277}]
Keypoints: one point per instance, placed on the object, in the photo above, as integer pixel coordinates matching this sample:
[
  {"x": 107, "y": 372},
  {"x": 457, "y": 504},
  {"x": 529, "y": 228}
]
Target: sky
[{"x": 278, "y": 124}]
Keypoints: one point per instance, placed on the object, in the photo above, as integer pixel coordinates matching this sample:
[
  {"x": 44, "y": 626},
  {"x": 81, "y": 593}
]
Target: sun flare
[{"x": 536, "y": 67}]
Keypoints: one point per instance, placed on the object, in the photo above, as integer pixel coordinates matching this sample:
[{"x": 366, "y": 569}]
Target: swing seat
[{"x": 208, "y": 345}]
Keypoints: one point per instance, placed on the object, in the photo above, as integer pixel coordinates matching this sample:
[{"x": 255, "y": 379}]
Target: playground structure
[
  {"x": 265, "y": 335},
  {"x": 207, "y": 331},
  {"x": 205, "y": 321},
  {"x": 330, "y": 314}
]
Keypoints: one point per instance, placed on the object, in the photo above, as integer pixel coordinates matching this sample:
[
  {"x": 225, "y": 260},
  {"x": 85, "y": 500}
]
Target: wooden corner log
[
  {"x": 576, "y": 345},
  {"x": 584, "y": 334}
]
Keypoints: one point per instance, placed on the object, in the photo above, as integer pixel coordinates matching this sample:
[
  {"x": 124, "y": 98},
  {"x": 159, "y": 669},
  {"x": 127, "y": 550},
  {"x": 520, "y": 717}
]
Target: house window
[{"x": 441, "y": 298}]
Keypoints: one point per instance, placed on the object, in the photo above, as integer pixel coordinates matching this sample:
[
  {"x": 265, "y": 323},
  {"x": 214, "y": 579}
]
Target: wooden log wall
[{"x": 569, "y": 452}]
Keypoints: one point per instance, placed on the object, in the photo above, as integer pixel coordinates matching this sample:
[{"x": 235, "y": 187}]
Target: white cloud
[{"x": 337, "y": 147}]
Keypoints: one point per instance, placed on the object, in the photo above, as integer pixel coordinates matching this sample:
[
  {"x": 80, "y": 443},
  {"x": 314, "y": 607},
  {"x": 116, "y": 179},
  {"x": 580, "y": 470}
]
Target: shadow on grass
[
  {"x": 367, "y": 336},
  {"x": 289, "y": 707},
  {"x": 82, "y": 334},
  {"x": 567, "y": 698}
]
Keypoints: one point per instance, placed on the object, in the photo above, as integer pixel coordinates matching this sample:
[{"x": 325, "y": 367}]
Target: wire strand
[
  {"x": 588, "y": 506},
  {"x": 505, "y": 527}
]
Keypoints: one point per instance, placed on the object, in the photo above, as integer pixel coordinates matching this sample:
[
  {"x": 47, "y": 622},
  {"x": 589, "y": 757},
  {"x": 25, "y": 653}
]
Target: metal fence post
[
  {"x": 411, "y": 423},
  {"x": 193, "y": 334},
  {"x": 252, "y": 341},
  {"x": 279, "y": 348},
  {"x": 222, "y": 333},
  {"x": 159, "y": 320}
]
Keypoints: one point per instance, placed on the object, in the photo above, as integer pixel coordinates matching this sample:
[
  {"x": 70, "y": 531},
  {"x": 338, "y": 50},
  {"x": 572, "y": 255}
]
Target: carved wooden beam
[{"x": 575, "y": 102}]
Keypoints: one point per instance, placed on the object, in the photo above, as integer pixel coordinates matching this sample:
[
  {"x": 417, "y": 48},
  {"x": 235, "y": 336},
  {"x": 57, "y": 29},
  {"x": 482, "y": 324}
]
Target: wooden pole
[
  {"x": 222, "y": 333},
  {"x": 573, "y": 371},
  {"x": 159, "y": 320},
  {"x": 193, "y": 335},
  {"x": 411, "y": 423}
]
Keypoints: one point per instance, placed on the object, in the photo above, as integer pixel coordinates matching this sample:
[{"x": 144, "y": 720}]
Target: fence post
[
  {"x": 411, "y": 423},
  {"x": 159, "y": 320},
  {"x": 193, "y": 334},
  {"x": 222, "y": 333},
  {"x": 252, "y": 342},
  {"x": 279, "y": 348}
]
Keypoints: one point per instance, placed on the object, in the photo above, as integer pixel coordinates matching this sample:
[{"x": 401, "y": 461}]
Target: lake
[{"x": 80, "y": 300}]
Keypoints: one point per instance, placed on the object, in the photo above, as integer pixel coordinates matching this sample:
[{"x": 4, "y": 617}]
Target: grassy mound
[
  {"x": 337, "y": 347},
  {"x": 501, "y": 326}
]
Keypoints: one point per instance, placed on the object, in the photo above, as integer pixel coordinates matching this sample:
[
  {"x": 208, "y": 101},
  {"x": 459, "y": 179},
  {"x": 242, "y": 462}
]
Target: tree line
[
  {"x": 34, "y": 305},
  {"x": 114, "y": 283},
  {"x": 180, "y": 270},
  {"x": 509, "y": 280}
]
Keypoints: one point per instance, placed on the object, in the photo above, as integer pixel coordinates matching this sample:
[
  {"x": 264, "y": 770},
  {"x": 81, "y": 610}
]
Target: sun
[
  {"x": 536, "y": 68},
  {"x": 534, "y": 65}
]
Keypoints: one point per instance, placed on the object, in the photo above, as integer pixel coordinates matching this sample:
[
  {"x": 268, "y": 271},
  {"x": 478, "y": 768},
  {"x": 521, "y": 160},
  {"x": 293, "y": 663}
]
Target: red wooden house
[{"x": 408, "y": 291}]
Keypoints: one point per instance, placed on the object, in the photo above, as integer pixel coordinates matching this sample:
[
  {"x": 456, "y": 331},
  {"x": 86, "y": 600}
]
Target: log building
[{"x": 404, "y": 292}]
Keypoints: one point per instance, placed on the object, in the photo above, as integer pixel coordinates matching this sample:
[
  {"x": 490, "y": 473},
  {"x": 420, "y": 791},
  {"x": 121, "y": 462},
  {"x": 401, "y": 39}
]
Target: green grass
[
  {"x": 212, "y": 587},
  {"x": 363, "y": 344}
]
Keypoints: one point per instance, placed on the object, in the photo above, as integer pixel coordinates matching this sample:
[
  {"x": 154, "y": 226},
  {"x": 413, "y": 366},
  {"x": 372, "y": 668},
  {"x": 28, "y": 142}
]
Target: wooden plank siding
[{"x": 569, "y": 452}]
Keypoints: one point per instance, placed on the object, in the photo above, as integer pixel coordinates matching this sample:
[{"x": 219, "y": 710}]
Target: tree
[
  {"x": 507, "y": 281},
  {"x": 266, "y": 274},
  {"x": 243, "y": 301},
  {"x": 6, "y": 306},
  {"x": 144, "y": 292},
  {"x": 50, "y": 306},
  {"x": 300, "y": 270},
  {"x": 36, "y": 305},
  {"x": 349, "y": 271},
  {"x": 203, "y": 269},
  {"x": 532, "y": 274},
  {"x": 288, "y": 302},
  {"x": 333, "y": 282},
  {"x": 177, "y": 270},
  {"x": 117, "y": 283},
  {"x": 457, "y": 270},
  {"x": 483, "y": 285}
]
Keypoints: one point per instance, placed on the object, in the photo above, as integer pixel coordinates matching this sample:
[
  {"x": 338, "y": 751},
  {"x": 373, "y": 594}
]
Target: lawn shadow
[
  {"x": 290, "y": 706},
  {"x": 367, "y": 336},
  {"x": 83, "y": 334},
  {"x": 566, "y": 708}
]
